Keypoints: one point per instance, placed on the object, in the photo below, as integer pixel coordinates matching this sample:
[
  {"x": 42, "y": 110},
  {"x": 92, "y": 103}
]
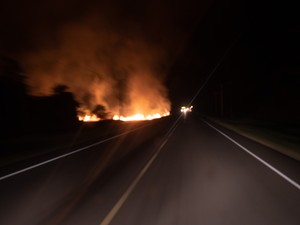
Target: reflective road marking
[{"x": 295, "y": 184}]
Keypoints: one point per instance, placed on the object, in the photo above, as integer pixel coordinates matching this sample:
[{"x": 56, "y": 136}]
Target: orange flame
[
  {"x": 140, "y": 116},
  {"x": 88, "y": 118},
  {"x": 85, "y": 115}
]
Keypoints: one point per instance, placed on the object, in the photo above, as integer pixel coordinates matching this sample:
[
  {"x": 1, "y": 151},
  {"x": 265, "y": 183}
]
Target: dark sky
[
  {"x": 260, "y": 75},
  {"x": 26, "y": 25}
]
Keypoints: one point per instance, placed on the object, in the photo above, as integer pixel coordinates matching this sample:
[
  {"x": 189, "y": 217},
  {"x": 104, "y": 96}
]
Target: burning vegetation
[
  {"x": 112, "y": 76},
  {"x": 115, "y": 54},
  {"x": 109, "y": 53}
]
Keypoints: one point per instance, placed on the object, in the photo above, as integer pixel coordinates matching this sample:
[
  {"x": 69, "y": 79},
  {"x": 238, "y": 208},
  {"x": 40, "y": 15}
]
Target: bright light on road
[{"x": 185, "y": 109}]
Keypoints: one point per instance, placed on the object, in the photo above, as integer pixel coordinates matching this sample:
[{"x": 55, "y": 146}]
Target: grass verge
[{"x": 282, "y": 138}]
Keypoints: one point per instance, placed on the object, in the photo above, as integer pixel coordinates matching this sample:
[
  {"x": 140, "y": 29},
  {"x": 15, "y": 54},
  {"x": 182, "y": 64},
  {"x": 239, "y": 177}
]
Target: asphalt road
[{"x": 192, "y": 174}]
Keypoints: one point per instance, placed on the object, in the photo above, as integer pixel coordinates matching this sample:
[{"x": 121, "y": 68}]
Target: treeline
[{"x": 23, "y": 114}]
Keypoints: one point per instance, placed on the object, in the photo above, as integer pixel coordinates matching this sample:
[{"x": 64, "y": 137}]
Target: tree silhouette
[
  {"x": 64, "y": 106},
  {"x": 13, "y": 97},
  {"x": 60, "y": 88},
  {"x": 54, "y": 113},
  {"x": 100, "y": 111}
]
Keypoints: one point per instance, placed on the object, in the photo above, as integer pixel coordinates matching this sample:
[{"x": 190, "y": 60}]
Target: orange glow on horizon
[
  {"x": 140, "y": 116},
  {"x": 135, "y": 117}
]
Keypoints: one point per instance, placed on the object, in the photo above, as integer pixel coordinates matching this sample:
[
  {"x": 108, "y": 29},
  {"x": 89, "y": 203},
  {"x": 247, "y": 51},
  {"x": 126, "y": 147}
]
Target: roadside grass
[
  {"x": 280, "y": 137},
  {"x": 33, "y": 145},
  {"x": 15, "y": 150},
  {"x": 24, "y": 148}
]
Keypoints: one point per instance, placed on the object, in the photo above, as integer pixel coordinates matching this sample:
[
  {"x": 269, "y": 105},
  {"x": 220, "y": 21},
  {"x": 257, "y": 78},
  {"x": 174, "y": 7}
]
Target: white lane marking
[
  {"x": 295, "y": 184},
  {"x": 68, "y": 154},
  {"x": 109, "y": 217}
]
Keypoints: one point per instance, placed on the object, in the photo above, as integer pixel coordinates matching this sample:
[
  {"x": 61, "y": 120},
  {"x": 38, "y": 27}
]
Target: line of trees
[{"x": 22, "y": 114}]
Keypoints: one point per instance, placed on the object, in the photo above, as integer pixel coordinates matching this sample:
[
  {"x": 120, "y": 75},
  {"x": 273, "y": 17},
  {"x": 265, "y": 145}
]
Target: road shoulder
[{"x": 279, "y": 140}]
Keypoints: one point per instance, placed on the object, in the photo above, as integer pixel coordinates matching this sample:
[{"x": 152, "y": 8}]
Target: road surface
[{"x": 197, "y": 173}]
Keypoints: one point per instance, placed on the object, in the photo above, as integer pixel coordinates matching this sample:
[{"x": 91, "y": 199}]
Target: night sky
[
  {"x": 29, "y": 25},
  {"x": 257, "y": 47},
  {"x": 259, "y": 74}
]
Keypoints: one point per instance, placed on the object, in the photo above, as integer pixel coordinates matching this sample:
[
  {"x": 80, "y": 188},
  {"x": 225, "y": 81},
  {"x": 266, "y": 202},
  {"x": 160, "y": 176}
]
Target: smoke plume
[{"x": 117, "y": 57}]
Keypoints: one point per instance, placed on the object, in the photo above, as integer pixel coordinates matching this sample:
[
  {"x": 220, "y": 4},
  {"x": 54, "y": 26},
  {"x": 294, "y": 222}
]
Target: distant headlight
[{"x": 185, "y": 109}]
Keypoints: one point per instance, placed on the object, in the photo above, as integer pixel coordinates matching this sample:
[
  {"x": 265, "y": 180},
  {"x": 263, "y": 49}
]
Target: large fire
[
  {"x": 140, "y": 116},
  {"x": 136, "y": 117},
  {"x": 89, "y": 117}
]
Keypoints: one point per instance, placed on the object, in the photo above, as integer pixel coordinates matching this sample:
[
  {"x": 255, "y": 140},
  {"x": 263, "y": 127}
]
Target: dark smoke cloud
[{"x": 114, "y": 53}]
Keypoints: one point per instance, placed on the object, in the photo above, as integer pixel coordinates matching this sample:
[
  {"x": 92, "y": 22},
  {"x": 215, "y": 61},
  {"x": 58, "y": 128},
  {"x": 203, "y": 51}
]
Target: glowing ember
[{"x": 140, "y": 116}]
